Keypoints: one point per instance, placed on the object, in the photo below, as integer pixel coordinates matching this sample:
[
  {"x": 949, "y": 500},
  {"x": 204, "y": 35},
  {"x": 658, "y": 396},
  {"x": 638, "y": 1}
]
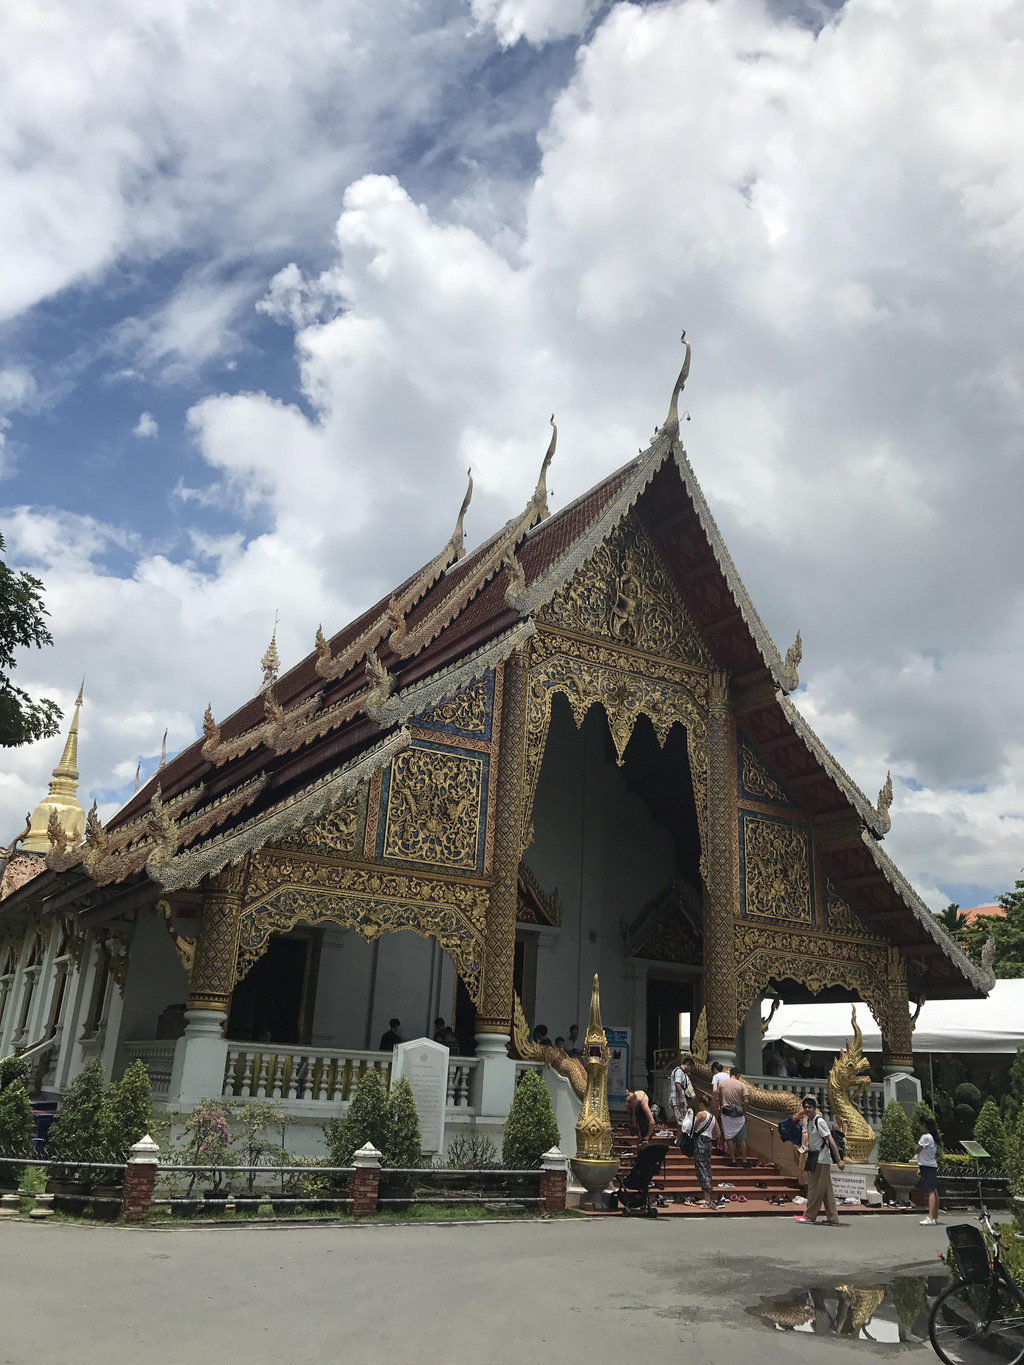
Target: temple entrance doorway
[
  {"x": 666, "y": 1001},
  {"x": 273, "y": 1003}
]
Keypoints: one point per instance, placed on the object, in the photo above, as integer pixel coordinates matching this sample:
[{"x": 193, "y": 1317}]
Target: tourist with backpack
[
  {"x": 697, "y": 1129},
  {"x": 822, "y": 1154}
]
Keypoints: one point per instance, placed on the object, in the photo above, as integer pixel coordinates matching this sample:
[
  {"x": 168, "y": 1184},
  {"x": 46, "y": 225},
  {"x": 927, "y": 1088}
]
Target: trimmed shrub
[
  {"x": 896, "y": 1141},
  {"x": 367, "y": 1120},
  {"x": 13, "y": 1069},
  {"x": 15, "y": 1130},
  {"x": 964, "y": 1117},
  {"x": 127, "y": 1111},
  {"x": 77, "y": 1132},
  {"x": 991, "y": 1132},
  {"x": 1009, "y": 1108},
  {"x": 956, "y": 1163},
  {"x": 530, "y": 1129},
  {"x": 403, "y": 1141},
  {"x": 968, "y": 1094}
]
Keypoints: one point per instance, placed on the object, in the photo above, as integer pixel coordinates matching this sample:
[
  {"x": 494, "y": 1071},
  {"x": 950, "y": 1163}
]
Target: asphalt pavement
[{"x": 572, "y": 1291}]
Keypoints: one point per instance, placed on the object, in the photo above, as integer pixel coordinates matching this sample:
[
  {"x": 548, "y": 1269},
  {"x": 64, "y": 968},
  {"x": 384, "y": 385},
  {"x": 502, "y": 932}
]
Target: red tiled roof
[{"x": 983, "y": 911}]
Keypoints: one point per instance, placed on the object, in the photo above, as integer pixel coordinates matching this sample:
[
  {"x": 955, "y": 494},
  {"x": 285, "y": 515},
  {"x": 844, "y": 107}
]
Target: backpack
[{"x": 839, "y": 1138}]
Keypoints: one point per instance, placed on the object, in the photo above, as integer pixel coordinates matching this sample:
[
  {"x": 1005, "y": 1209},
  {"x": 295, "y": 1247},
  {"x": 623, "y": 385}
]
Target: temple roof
[{"x": 288, "y": 752}]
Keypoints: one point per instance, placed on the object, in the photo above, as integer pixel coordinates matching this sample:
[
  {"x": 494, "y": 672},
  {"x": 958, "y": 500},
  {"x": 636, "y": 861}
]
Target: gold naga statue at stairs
[{"x": 848, "y": 1080}]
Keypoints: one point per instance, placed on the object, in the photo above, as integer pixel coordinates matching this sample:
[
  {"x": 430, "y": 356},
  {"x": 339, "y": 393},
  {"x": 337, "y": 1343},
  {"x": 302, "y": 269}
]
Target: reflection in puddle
[{"x": 894, "y": 1310}]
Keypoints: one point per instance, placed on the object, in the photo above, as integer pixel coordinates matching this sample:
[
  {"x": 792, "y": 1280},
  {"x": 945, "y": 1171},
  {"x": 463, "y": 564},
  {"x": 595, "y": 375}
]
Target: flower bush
[{"x": 207, "y": 1141}]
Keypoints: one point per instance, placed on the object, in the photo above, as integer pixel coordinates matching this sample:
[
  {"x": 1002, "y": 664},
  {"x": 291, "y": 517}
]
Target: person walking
[
  {"x": 928, "y": 1165},
  {"x": 732, "y": 1114},
  {"x": 822, "y": 1154}
]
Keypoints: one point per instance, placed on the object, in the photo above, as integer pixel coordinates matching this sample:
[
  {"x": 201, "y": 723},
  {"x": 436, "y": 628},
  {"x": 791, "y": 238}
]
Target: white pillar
[
  {"x": 200, "y": 1058},
  {"x": 494, "y": 1080},
  {"x": 750, "y": 1040}
]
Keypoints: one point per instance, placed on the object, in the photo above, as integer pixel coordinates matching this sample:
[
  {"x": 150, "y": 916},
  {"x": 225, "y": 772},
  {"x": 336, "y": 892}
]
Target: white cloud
[
  {"x": 147, "y": 425},
  {"x": 538, "y": 21},
  {"x": 837, "y": 220}
]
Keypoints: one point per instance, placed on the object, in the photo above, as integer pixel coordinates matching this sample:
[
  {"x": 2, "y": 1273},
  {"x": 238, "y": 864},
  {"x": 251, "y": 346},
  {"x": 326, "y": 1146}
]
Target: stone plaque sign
[
  {"x": 849, "y": 1186},
  {"x": 424, "y": 1064}
]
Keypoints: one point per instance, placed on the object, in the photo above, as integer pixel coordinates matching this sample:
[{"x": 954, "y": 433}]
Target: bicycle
[{"x": 979, "y": 1318}]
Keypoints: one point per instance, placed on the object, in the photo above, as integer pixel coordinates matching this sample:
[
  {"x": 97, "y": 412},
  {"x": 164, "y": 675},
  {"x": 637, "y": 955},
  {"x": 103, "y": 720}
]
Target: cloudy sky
[{"x": 273, "y": 274}]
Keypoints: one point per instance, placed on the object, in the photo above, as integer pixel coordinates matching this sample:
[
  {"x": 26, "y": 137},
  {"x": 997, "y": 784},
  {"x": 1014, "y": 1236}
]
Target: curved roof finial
[
  {"x": 671, "y": 427},
  {"x": 138, "y": 775},
  {"x": 457, "y": 542},
  {"x": 163, "y": 753},
  {"x": 540, "y": 493}
]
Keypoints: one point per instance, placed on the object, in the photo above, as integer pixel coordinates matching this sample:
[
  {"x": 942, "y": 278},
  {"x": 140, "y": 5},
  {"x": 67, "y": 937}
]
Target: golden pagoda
[{"x": 62, "y": 798}]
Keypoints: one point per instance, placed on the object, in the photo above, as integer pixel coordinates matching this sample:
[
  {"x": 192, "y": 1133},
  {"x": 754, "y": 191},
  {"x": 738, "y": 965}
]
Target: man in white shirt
[
  {"x": 822, "y": 1154},
  {"x": 681, "y": 1091}
]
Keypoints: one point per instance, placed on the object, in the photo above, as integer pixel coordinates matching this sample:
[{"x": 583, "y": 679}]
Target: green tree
[
  {"x": 12, "y": 1070},
  {"x": 953, "y": 919},
  {"x": 1007, "y": 933},
  {"x": 990, "y": 1131},
  {"x": 404, "y": 1142},
  {"x": 127, "y": 1112},
  {"x": 22, "y": 625},
  {"x": 530, "y": 1129},
  {"x": 367, "y": 1120},
  {"x": 15, "y": 1130},
  {"x": 77, "y": 1131},
  {"x": 896, "y": 1141}
]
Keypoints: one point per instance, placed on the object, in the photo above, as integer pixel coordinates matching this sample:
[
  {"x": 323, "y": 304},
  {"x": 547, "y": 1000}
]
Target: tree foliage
[
  {"x": 953, "y": 919},
  {"x": 22, "y": 625},
  {"x": 15, "y": 1129},
  {"x": 13, "y": 1070},
  {"x": 388, "y": 1121},
  {"x": 405, "y": 1143},
  {"x": 530, "y": 1129},
  {"x": 1007, "y": 932}
]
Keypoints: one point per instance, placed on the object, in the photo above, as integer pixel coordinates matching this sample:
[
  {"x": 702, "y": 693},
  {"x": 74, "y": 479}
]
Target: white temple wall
[
  {"x": 362, "y": 985},
  {"x": 598, "y": 844},
  {"x": 155, "y": 980}
]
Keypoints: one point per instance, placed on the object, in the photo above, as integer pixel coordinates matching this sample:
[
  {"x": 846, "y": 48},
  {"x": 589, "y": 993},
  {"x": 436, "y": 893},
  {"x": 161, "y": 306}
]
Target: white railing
[
  {"x": 871, "y": 1103},
  {"x": 159, "y": 1059},
  {"x": 322, "y": 1075},
  {"x": 523, "y": 1067}
]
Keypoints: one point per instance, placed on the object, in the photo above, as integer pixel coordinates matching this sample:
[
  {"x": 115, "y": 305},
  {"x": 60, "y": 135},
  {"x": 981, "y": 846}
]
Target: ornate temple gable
[
  {"x": 533, "y": 904},
  {"x": 756, "y": 781},
  {"x": 776, "y": 870},
  {"x": 337, "y": 834},
  {"x": 842, "y": 919},
  {"x": 623, "y": 594},
  {"x": 666, "y": 930},
  {"x": 466, "y": 715},
  {"x": 284, "y": 890}
]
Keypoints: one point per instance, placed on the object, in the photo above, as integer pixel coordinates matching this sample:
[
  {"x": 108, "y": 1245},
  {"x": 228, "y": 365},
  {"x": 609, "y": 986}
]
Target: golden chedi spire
[{"x": 62, "y": 799}]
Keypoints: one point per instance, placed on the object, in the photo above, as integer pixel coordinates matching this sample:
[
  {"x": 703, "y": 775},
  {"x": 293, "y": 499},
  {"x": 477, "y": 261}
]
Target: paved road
[{"x": 569, "y": 1292}]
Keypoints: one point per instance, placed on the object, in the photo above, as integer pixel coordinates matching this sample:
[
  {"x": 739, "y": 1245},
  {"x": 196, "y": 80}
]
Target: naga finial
[
  {"x": 988, "y": 954},
  {"x": 671, "y": 427},
  {"x": 383, "y": 681},
  {"x": 794, "y": 656},
  {"x": 516, "y": 578},
  {"x": 457, "y": 540},
  {"x": 211, "y": 733},
  {"x": 270, "y": 663},
  {"x": 138, "y": 775},
  {"x": 540, "y": 493},
  {"x": 766, "y": 1022},
  {"x": 885, "y": 797},
  {"x": 56, "y": 833},
  {"x": 163, "y": 753}
]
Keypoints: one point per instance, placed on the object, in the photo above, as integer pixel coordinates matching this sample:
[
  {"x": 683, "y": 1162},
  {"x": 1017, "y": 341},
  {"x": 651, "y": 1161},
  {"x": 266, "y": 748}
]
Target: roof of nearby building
[
  {"x": 293, "y": 750},
  {"x": 983, "y": 911}
]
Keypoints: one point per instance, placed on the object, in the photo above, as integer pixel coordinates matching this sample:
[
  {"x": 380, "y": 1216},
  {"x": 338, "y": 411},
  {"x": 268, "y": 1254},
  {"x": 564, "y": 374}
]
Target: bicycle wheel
[{"x": 978, "y": 1324}]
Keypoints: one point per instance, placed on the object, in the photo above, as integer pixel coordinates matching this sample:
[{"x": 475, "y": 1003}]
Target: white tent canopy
[{"x": 995, "y": 1024}]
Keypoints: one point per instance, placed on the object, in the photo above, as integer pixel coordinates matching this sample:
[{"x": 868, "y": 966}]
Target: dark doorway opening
[
  {"x": 274, "y": 1001},
  {"x": 666, "y": 1001},
  {"x": 465, "y": 1019}
]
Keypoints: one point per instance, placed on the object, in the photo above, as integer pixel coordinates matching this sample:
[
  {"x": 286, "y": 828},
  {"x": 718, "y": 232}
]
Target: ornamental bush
[
  {"x": 77, "y": 1132},
  {"x": 968, "y": 1094},
  {"x": 404, "y": 1142},
  {"x": 13, "y": 1069},
  {"x": 366, "y": 1121},
  {"x": 127, "y": 1111},
  {"x": 15, "y": 1130},
  {"x": 530, "y": 1129},
  {"x": 896, "y": 1141},
  {"x": 991, "y": 1132}
]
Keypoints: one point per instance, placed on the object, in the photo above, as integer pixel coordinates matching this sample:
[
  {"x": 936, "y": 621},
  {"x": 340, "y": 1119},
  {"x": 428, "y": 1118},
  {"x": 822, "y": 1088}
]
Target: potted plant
[
  {"x": 125, "y": 1117},
  {"x": 15, "y": 1134},
  {"x": 896, "y": 1149},
  {"x": 76, "y": 1136}
]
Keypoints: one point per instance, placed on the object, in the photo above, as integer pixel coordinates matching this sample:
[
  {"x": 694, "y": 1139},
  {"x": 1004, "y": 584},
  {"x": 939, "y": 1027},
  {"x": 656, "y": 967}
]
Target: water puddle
[{"x": 893, "y": 1310}]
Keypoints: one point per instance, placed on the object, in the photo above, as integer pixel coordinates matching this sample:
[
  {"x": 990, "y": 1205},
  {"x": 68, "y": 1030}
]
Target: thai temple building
[{"x": 571, "y": 750}]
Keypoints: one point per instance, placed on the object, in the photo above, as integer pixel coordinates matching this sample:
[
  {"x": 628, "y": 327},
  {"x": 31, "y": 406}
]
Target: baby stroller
[{"x": 633, "y": 1196}]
